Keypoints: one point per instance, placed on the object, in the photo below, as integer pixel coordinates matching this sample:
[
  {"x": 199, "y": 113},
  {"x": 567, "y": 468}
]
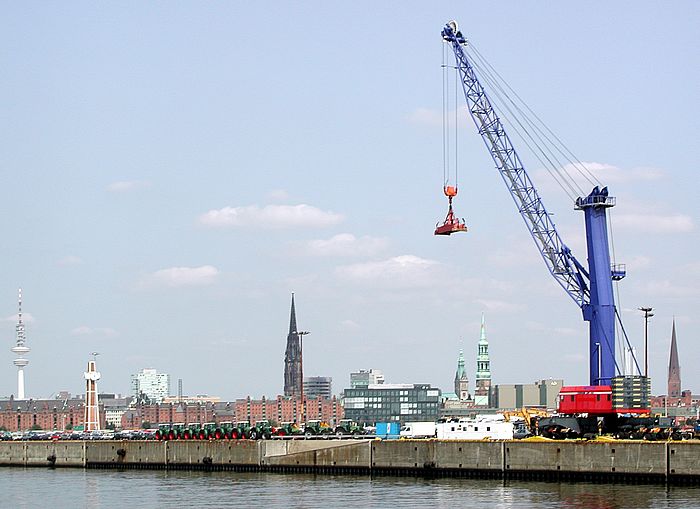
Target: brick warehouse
[
  {"x": 277, "y": 410},
  {"x": 45, "y": 414}
]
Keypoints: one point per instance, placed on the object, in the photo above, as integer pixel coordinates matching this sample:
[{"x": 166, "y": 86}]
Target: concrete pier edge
[{"x": 616, "y": 461}]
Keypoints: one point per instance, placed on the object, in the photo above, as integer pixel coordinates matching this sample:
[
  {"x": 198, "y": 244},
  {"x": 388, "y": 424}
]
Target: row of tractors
[{"x": 257, "y": 431}]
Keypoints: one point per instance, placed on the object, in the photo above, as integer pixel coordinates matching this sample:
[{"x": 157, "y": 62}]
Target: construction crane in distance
[{"x": 590, "y": 287}]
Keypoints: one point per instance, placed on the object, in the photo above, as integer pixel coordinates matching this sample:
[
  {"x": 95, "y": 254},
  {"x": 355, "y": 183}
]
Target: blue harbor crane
[{"x": 590, "y": 287}]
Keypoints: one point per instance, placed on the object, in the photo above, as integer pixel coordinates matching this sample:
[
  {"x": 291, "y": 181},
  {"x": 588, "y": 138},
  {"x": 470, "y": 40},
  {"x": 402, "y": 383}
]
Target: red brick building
[
  {"x": 288, "y": 409},
  {"x": 45, "y": 414},
  {"x": 280, "y": 409},
  {"x": 170, "y": 413}
]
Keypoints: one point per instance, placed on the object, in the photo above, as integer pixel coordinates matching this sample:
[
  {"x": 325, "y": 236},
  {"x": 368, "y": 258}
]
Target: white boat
[{"x": 483, "y": 427}]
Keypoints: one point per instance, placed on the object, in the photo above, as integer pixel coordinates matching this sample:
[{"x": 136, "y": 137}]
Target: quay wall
[{"x": 590, "y": 460}]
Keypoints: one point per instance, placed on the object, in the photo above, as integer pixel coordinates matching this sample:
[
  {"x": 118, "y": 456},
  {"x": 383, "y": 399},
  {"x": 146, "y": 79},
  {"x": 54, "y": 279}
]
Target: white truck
[{"x": 418, "y": 430}]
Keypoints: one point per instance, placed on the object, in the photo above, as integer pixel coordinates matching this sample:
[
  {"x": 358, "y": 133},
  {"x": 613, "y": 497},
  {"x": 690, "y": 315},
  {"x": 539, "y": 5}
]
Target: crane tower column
[{"x": 600, "y": 311}]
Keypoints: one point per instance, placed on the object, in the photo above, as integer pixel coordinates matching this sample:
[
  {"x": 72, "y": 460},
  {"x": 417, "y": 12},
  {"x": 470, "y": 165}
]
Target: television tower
[
  {"x": 21, "y": 350},
  {"x": 92, "y": 409}
]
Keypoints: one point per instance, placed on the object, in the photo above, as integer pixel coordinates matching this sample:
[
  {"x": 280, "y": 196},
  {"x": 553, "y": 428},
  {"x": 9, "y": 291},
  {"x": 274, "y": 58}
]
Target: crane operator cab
[{"x": 452, "y": 224}]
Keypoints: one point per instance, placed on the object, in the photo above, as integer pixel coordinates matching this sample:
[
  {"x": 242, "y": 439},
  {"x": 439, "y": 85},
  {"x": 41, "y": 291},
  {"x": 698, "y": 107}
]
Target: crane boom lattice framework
[{"x": 591, "y": 289}]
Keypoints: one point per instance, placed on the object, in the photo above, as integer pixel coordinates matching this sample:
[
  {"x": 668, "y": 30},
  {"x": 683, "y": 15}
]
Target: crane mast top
[{"x": 591, "y": 287}]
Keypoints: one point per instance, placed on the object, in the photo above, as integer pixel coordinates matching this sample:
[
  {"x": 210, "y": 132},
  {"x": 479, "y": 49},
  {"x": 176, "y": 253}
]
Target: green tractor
[
  {"x": 262, "y": 429},
  {"x": 223, "y": 430},
  {"x": 287, "y": 429},
  {"x": 169, "y": 431},
  {"x": 163, "y": 432},
  {"x": 202, "y": 431},
  {"x": 348, "y": 427},
  {"x": 240, "y": 430},
  {"x": 317, "y": 428}
]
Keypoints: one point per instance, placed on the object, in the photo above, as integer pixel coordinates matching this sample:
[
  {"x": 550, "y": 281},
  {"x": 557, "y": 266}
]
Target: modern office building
[
  {"x": 114, "y": 407},
  {"x": 374, "y": 403},
  {"x": 366, "y": 377},
  {"x": 149, "y": 386},
  {"x": 318, "y": 387}
]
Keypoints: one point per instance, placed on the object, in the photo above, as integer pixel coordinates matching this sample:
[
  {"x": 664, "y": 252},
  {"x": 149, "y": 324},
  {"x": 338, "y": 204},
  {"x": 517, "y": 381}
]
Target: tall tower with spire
[
  {"x": 462, "y": 380},
  {"x": 21, "y": 349},
  {"x": 674, "y": 368},
  {"x": 483, "y": 370},
  {"x": 293, "y": 383}
]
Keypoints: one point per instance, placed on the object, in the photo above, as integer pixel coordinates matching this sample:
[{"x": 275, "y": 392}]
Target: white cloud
[
  {"x": 270, "y": 217},
  {"x": 665, "y": 288},
  {"x": 638, "y": 263},
  {"x": 85, "y": 330},
  {"x": 69, "y": 261},
  {"x": 654, "y": 223},
  {"x": 185, "y": 276},
  {"x": 499, "y": 305},
  {"x": 399, "y": 271},
  {"x": 610, "y": 174},
  {"x": 350, "y": 325},
  {"x": 26, "y": 318},
  {"x": 607, "y": 174},
  {"x": 691, "y": 268},
  {"x": 278, "y": 195},
  {"x": 124, "y": 186},
  {"x": 346, "y": 244},
  {"x": 518, "y": 255},
  {"x": 425, "y": 116}
]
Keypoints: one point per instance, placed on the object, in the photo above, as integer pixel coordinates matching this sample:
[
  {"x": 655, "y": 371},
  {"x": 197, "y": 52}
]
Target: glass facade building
[
  {"x": 401, "y": 403},
  {"x": 315, "y": 386}
]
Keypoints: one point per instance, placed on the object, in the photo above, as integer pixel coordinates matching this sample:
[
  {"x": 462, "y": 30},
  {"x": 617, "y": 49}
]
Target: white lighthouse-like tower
[
  {"x": 21, "y": 349},
  {"x": 92, "y": 409}
]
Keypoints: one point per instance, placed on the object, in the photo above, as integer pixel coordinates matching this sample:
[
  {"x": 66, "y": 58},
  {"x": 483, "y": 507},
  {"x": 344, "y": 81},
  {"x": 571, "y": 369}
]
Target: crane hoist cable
[
  {"x": 451, "y": 224},
  {"x": 541, "y": 141}
]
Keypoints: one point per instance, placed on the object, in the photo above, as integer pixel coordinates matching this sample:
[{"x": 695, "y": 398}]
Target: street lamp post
[
  {"x": 301, "y": 335},
  {"x": 647, "y": 314}
]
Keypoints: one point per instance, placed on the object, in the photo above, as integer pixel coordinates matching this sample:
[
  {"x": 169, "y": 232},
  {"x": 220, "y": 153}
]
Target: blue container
[{"x": 388, "y": 430}]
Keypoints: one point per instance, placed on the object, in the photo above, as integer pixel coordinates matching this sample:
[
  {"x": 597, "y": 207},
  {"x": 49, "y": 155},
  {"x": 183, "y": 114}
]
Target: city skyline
[{"x": 166, "y": 190}]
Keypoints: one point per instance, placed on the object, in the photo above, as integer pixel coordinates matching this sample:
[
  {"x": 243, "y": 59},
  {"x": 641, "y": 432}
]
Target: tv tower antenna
[{"x": 21, "y": 350}]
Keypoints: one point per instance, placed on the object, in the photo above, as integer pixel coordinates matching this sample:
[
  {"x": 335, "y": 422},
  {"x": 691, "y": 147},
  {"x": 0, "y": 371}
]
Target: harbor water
[{"x": 78, "y": 488}]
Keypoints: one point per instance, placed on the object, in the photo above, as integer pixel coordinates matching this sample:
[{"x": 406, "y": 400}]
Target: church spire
[
  {"x": 292, "y": 358},
  {"x": 461, "y": 379},
  {"x": 483, "y": 369},
  {"x": 482, "y": 338},
  {"x": 674, "y": 368},
  {"x": 293, "y": 318}
]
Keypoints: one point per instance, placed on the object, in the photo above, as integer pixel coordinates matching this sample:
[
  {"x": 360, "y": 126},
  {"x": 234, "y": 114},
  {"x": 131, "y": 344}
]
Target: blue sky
[{"x": 172, "y": 172}]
